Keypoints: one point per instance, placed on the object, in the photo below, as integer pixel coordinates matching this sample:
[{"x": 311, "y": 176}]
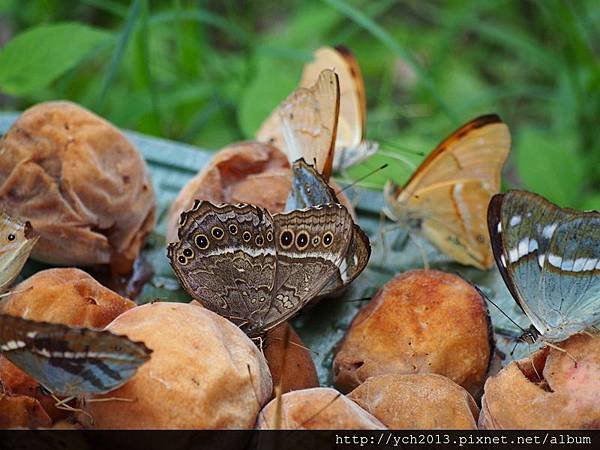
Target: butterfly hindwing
[
  {"x": 310, "y": 189},
  {"x": 549, "y": 258},
  {"x": 304, "y": 125},
  {"x": 350, "y": 146},
  {"x": 311, "y": 245},
  {"x": 70, "y": 361},
  {"x": 446, "y": 198},
  {"x": 226, "y": 258}
]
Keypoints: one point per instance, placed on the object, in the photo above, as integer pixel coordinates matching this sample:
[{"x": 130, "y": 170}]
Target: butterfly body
[
  {"x": 549, "y": 258},
  {"x": 69, "y": 361},
  {"x": 255, "y": 268},
  {"x": 446, "y": 199}
]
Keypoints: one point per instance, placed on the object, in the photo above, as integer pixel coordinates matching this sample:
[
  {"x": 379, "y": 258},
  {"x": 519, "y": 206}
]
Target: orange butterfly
[{"x": 446, "y": 199}]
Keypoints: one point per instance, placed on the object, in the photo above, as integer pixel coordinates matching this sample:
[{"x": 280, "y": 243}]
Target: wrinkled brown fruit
[
  {"x": 417, "y": 402},
  {"x": 68, "y": 296},
  {"x": 316, "y": 409},
  {"x": 20, "y": 411},
  {"x": 423, "y": 321},
  {"x": 291, "y": 363},
  {"x": 548, "y": 390},
  {"x": 244, "y": 172},
  {"x": 204, "y": 373},
  {"x": 81, "y": 184}
]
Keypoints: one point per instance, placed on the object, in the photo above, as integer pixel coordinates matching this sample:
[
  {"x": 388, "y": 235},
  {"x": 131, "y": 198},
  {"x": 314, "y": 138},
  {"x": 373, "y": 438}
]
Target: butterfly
[
  {"x": 305, "y": 124},
  {"x": 446, "y": 198},
  {"x": 350, "y": 144},
  {"x": 549, "y": 258},
  {"x": 258, "y": 269},
  {"x": 69, "y": 361},
  {"x": 310, "y": 189},
  {"x": 17, "y": 239}
]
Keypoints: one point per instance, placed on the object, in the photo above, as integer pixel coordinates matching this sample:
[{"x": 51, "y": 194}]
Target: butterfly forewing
[
  {"x": 447, "y": 196},
  {"x": 550, "y": 260},
  {"x": 17, "y": 240},
  {"x": 70, "y": 361},
  {"x": 226, "y": 259}
]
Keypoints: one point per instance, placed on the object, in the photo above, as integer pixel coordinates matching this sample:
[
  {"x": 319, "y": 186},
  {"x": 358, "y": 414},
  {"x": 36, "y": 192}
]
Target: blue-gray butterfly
[
  {"x": 69, "y": 361},
  {"x": 549, "y": 258}
]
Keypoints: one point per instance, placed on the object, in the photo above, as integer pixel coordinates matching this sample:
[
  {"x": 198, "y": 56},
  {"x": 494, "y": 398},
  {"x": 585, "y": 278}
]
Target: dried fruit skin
[
  {"x": 547, "y": 390},
  {"x": 81, "y": 184}
]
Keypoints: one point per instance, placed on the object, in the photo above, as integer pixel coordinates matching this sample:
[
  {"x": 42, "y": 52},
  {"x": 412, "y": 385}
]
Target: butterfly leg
[
  {"x": 382, "y": 238},
  {"x": 556, "y": 347},
  {"x": 421, "y": 250},
  {"x": 259, "y": 341},
  {"x": 110, "y": 399},
  {"x": 63, "y": 405}
]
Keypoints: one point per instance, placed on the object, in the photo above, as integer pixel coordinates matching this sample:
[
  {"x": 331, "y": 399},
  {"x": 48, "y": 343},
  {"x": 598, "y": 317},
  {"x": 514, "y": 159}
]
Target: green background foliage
[{"x": 208, "y": 72}]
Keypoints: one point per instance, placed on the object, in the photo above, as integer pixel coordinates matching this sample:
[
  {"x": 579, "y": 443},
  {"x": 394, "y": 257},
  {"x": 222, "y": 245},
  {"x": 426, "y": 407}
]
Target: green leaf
[
  {"x": 274, "y": 81},
  {"x": 591, "y": 202},
  {"x": 36, "y": 57},
  {"x": 549, "y": 165}
]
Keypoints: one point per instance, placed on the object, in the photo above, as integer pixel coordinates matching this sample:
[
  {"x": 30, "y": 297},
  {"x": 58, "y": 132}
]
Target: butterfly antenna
[
  {"x": 364, "y": 299},
  {"x": 355, "y": 182},
  {"x": 483, "y": 294},
  {"x": 297, "y": 345}
]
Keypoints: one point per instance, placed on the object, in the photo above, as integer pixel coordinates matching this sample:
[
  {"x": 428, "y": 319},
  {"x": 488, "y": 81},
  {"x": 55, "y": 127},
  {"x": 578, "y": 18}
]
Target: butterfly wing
[
  {"x": 310, "y": 189},
  {"x": 69, "y": 361},
  {"x": 447, "y": 197},
  {"x": 311, "y": 245},
  {"x": 350, "y": 146},
  {"x": 226, "y": 259},
  {"x": 550, "y": 260},
  {"x": 17, "y": 239},
  {"x": 304, "y": 125}
]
